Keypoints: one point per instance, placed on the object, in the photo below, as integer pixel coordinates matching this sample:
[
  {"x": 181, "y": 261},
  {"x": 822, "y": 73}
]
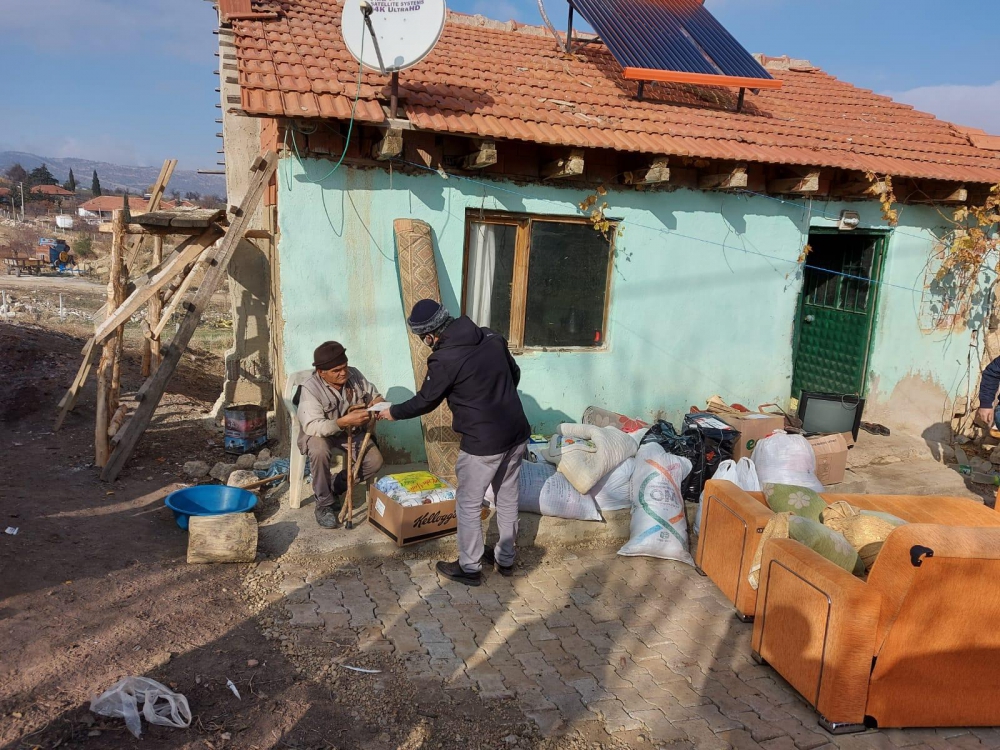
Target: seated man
[{"x": 334, "y": 398}]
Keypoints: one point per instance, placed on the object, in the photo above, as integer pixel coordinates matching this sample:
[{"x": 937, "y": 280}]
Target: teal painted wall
[{"x": 703, "y": 297}]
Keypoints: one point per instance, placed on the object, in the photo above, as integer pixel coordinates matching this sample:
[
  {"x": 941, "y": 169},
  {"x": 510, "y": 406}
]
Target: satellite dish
[{"x": 405, "y": 31}]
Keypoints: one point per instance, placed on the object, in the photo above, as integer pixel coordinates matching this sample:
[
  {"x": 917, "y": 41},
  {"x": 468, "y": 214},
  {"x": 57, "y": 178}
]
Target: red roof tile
[
  {"x": 498, "y": 80},
  {"x": 51, "y": 190},
  {"x": 114, "y": 202}
]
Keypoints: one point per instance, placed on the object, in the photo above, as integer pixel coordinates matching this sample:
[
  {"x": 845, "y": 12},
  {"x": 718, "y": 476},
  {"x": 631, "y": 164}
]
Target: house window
[{"x": 541, "y": 282}]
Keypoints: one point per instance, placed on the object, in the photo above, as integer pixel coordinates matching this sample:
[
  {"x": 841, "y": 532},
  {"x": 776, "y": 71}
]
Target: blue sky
[{"x": 131, "y": 81}]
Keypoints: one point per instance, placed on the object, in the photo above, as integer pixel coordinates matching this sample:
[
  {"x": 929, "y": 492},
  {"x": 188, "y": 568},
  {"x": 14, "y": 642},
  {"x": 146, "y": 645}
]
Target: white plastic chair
[{"x": 296, "y": 462}]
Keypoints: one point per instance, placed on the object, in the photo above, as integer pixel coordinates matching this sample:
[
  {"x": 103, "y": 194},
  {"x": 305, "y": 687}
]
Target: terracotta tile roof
[
  {"x": 4, "y": 192},
  {"x": 504, "y": 81},
  {"x": 114, "y": 202},
  {"x": 51, "y": 190}
]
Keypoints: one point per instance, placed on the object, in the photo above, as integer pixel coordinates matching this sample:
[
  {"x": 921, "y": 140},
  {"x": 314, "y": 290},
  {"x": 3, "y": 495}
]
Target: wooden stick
[
  {"x": 364, "y": 447},
  {"x": 266, "y": 480},
  {"x": 109, "y": 355},
  {"x": 348, "y": 510}
]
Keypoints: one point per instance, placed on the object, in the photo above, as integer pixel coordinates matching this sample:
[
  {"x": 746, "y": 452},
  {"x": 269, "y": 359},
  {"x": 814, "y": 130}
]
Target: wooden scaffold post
[
  {"x": 109, "y": 367},
  {"x": 151, "y": 344}
]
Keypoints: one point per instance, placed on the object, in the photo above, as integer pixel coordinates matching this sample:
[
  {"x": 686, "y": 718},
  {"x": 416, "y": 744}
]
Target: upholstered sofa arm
[
  {"x": 815, "y": 624},
  {"x": 731, "y": 524}
]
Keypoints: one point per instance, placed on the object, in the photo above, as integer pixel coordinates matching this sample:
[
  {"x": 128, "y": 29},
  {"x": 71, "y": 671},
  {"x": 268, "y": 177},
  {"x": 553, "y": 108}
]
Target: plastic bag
[
  {"x": 584, "y": 470},
  {"x": 160, "y": 704},
  {"x": 690, "y": 445},
  {"x": 742, "y": 474},
  {"x": 659, "y": 524},
  {"x": 614, "y": 490},
  {"x": 782, "y": 458}
]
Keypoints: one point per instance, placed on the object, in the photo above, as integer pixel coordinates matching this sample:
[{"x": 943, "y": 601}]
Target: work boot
[
  {"x": 490, "y": 559},
  {"x": 326, "y": 516},
  {"x": 454, "y": 572}
]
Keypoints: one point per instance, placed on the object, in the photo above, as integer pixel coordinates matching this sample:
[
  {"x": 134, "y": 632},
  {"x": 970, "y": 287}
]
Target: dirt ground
[{"x": 94, "y": 587}]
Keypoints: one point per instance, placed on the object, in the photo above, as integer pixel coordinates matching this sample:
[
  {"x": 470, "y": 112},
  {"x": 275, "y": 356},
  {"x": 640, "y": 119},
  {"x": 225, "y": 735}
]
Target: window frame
[{"x": 519, "y": 279}]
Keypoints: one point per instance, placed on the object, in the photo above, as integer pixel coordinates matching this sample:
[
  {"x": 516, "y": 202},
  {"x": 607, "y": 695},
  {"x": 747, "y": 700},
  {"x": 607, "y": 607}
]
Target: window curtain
[{"x": 482, "y": 268}]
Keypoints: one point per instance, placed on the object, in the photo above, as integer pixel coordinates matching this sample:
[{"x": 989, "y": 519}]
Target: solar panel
[{"x": 672, "y": 40}]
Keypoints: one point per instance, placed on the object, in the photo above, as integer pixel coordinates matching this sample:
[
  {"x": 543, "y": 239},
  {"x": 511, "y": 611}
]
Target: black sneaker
[
  {"x": 326, "y": 517},
  {"x": 453, "y": 572},
  {"x": 490, "y": 559}
]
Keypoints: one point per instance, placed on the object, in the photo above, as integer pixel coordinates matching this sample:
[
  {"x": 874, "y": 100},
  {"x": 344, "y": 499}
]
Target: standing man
[
  {"x": 334, "y": 398},
  {"x": 473, "y": 368}
]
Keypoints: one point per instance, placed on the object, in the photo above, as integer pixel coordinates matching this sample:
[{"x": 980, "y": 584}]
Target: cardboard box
[
  {"x": 410, "y": 525},
  {"x": 831, "y": 457},
  {"x": 752, "y": 427}
]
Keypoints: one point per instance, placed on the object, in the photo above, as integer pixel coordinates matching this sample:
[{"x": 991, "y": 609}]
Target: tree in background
[
  {"x": 175, "y": 195},
  {"x": 192, "y": 196},
  {"x": 17, "y": 173},
  {"x": 71, "y": 182},
  {"x": 41, "y": 176},
  {"x": 95, "y": 185}
]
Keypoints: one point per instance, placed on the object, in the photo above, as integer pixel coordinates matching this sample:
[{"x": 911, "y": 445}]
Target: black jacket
[{"x": 474, "y": 370}]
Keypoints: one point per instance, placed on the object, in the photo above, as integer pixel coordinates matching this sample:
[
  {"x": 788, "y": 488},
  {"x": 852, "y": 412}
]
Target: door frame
[{"x": 878, "y": 267}]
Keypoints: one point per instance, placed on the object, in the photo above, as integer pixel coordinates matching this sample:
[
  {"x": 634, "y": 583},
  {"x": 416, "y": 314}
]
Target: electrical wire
[{"x": 350, "y": 129}]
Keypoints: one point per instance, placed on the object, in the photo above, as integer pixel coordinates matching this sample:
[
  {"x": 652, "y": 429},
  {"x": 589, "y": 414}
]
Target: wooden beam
[
  {"x": 942, "y": 194},
  {"x": 90, "y": 354},
  {"x": 482, "y": 157},
  {"x": 389, "y": 146},
  {"x": 858, "y": 189},
  {"x": 263, "y": 169},
  {"x": 200, "y": 218},
  {"x": 177, "y": 296},
  {"x": 155, "y": 198},
  {"x": 156, "y": 279},
  {"x": 568, "y": 166},
  {"x": 804, "y": 184},
  {"x": 734, "y": 179},
  {"x": 657, "y": 172}
]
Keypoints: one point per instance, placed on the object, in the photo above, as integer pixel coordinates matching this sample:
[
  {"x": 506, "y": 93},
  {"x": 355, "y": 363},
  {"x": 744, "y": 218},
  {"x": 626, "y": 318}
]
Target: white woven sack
[
  {"x": 614, "y": 490},
  {"x": 659, "y": 523},
  {"x": 543, "y": 491},
  {"x": 584, "y": 470}
]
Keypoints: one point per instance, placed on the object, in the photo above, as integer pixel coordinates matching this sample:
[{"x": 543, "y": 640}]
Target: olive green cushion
[
  {"x": 826, "y": 542},
  {"x": 787, "y": 498}
]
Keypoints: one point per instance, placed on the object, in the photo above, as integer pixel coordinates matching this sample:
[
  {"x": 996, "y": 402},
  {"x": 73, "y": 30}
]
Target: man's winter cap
[
  {"x": 428, "y": 316},
  {"x": 329, "y": 355}
]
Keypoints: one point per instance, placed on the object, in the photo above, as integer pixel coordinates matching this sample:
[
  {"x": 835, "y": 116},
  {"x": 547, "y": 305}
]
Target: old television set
[{"x": 826, "y": 413}]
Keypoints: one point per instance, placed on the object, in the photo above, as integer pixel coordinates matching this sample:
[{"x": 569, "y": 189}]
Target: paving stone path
[{"x": 632, "y": 643}]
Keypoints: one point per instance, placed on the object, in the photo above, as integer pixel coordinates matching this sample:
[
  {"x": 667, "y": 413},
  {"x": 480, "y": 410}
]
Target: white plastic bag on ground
[
  {"x": 584, "y": 470},
  {"x": 659, "y": 524},
  {"x": 613, "y": 491},
  {"x": 742, "y": 474},
  {"x": 160, "y": 704},
  {"x": 546, "y": 492},
  {"x": 782, "y": 458}
]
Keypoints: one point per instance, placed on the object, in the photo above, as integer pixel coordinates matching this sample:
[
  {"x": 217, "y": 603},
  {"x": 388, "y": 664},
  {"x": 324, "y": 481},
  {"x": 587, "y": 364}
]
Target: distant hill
[{"x": 133, "y": 179}]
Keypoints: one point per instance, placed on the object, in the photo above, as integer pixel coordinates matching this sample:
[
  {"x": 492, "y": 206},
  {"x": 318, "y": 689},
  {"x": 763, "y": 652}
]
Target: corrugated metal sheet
[{"x": 676, "y": 35}]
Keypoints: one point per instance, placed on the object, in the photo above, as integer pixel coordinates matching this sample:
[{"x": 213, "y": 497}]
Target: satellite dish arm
[{"x": 366, "y": 10}]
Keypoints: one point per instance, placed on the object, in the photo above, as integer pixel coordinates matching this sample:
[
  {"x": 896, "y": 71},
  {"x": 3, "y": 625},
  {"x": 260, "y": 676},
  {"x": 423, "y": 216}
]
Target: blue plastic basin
[{"x": 208, "y": 500}]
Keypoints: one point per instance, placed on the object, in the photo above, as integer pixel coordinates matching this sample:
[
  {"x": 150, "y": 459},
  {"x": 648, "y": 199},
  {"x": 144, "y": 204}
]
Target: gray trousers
[
  {"x": 502, "y": 472},
  {"x": 320, "y": 451}
]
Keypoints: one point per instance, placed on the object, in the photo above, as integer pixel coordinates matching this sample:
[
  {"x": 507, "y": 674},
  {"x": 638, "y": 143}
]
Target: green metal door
[{"x": 833, "y": 333}]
